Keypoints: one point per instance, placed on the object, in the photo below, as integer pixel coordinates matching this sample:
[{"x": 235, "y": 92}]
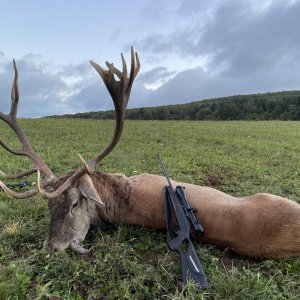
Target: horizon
[{"x": 179, "y": 104}]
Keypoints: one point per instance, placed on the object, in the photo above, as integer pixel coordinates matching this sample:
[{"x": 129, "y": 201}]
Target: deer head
[{"x": 74, "y": 200}]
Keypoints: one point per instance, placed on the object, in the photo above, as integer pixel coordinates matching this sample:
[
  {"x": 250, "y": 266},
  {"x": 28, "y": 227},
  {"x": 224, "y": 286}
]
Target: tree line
[{"x": 268, "y": 106}]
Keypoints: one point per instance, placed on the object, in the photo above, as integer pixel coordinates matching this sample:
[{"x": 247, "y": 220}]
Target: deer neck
[
  {"x": 116, "y": 192},
  {"x": 136, "y": 200}
]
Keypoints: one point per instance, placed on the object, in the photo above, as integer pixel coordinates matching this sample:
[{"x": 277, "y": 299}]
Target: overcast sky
[{"x": 189, "y": 50}]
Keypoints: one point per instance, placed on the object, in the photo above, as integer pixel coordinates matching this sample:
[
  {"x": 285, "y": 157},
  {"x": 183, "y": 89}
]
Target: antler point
[
  {"x": 87, "y": 168},
  {"x": 39, "y": 181},
  {"x": 2, "y": 174}
]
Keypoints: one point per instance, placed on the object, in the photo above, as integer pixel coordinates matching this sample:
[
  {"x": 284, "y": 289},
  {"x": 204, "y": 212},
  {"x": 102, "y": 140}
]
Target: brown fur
[{"x": 261, "y": 225}]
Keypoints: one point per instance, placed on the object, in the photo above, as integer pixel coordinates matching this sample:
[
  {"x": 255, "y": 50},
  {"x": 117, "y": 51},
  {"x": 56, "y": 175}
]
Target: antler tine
[
  {"x": 134, "y": 68},
  {"x": 19, "y": 175},
  {"x": 14, "y": 92},
  {"x": 112, "y": 69},
  {"x": 124, "y": 67},
  {"x": 10, "y": 149},
  {"x": 120, "y": 74},
  {"x": 26, "y": 149}
]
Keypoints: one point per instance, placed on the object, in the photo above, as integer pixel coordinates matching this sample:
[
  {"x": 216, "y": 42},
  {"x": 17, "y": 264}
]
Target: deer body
[{"x": 262, "y": 225}]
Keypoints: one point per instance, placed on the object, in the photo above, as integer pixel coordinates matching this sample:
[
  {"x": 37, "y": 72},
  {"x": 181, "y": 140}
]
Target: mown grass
[{"x": 128, "y": 262}]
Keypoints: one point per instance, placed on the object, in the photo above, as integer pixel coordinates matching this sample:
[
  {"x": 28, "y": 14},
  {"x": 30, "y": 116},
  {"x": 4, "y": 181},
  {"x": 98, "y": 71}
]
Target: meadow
[{"x": 129, "y": 262}]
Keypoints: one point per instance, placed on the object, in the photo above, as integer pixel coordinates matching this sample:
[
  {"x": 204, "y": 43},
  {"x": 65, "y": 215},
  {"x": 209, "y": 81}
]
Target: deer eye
[{"x": 75, "y": 204}]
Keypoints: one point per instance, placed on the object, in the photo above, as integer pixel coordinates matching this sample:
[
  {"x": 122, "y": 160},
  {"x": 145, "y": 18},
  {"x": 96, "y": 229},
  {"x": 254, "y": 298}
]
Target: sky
[{"x": 189, "y": 50}]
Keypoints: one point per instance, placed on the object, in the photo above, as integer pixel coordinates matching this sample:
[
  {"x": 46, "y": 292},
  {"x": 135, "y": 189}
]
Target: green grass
[{"x": 128, "y": 262}]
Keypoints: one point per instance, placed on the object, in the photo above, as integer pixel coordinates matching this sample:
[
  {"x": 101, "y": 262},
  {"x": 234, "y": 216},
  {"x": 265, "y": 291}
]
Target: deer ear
[{"x": 88, "y": 190}]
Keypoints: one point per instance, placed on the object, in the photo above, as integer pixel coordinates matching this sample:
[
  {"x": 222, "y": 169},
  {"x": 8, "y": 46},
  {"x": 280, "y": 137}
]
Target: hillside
[{"x": 268, "y": 106}]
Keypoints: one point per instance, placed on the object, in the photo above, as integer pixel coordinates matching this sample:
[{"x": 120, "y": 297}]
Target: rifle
[
  {"x": 17, "y": 186},
  {"x": 179, "y": 239}
]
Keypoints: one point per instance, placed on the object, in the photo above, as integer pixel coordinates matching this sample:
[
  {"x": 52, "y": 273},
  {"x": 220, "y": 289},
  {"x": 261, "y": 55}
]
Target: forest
[{"x": 267, "y": 106}]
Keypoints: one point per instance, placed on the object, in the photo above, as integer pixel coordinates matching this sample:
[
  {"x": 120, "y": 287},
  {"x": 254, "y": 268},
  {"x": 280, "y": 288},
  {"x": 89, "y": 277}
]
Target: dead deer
[{"x": 261, "y": 225}]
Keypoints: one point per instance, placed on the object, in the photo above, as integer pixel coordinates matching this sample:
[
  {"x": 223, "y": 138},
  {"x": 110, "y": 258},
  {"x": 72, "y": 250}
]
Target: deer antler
[
  {"x": 120, "y": 93},
  {"x": 19, "y": 175},
  {"x": 26, "y": 149}
]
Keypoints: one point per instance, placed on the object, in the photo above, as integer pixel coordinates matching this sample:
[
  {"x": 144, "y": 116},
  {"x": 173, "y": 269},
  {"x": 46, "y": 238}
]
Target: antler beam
[{"x": 26, "y": 149}]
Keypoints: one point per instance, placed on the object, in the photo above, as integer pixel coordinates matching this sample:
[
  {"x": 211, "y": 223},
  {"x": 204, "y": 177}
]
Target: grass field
[{"x": 127, "y": 262}]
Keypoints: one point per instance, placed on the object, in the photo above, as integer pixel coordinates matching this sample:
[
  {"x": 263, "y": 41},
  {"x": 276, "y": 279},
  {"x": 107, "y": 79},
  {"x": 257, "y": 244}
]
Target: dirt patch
[{"x": 213, "y": 181}]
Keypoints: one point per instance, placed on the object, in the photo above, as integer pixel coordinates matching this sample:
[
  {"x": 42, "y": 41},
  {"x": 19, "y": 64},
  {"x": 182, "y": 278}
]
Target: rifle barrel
[{"x": 164, "y": 170}]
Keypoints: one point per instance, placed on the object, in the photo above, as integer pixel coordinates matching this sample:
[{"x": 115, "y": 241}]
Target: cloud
[
  {"x": 185, "y": 85},
  {"x": 40, "y": 91},
  {"x": 47, "y": 89},
  {"x": 92, "y": 97},
  {"x": 237, "y": 32},
  {"x": 155, "y": 77},
  {"x": 249, "y": 40},
  {"x": 196, "y": 84},
  {"x": 158, "y": 12},
  {"x": 189, "y": 8},
  {"x": 248, "y": 47},
  {"x": 95, "y": 97},
  {"x": 190, "y": 50}
]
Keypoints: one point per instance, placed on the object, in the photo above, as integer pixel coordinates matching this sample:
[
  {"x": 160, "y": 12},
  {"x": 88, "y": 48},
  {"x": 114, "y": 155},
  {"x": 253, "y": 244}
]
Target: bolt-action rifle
[{"x": 179, "y": 239}]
